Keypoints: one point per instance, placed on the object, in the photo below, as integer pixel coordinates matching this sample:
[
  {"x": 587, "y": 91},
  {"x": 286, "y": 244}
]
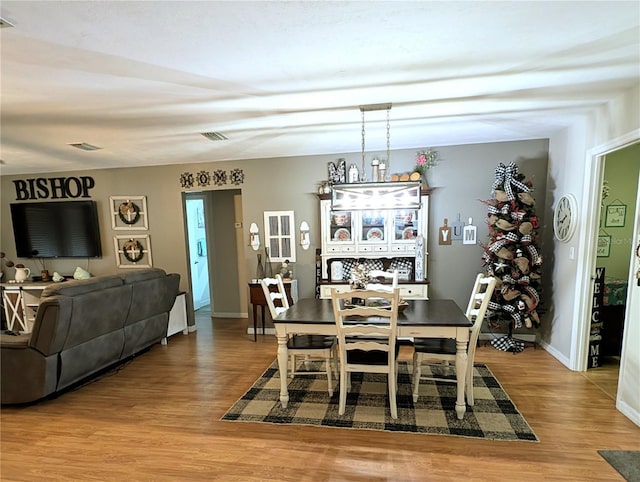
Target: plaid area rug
[{"x": 493, "y": 417}]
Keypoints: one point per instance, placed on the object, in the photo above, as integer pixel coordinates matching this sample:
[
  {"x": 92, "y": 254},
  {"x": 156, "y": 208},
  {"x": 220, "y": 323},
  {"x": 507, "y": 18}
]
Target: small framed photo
[
  {"x": 128, "y": 212},
  {"x": 133, "y": 251},
  {"x": 615, "y": 215},
  {"x": 604, "y": 246}
]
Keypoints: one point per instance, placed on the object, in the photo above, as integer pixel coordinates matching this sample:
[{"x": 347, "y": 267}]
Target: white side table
[
  {"x": 21, "y": 302},
  {"x": 178, "y": 317}
]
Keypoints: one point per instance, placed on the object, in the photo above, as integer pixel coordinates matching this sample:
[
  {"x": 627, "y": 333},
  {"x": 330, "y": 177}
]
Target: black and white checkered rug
[{"x": 493, "y": 417}]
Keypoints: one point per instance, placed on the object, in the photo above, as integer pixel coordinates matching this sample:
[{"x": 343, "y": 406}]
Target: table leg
[
  {"x": 283, "y": 355},
  {"x": 461, "y": 371},
  {"x": 262, "y": 308}
]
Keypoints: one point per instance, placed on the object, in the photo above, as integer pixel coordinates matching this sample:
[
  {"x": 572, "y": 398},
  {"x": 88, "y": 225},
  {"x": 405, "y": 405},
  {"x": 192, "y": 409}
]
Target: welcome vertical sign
[{"x": 595, "y": 335}]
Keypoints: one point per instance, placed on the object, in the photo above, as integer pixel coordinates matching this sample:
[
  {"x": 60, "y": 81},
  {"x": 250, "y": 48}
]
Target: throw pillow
[{"x": 80, "y": 273}]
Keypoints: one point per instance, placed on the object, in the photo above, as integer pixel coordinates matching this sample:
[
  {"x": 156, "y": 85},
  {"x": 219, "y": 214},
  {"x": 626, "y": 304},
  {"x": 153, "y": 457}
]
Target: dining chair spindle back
[
  {"x": 308, "y": 346},
  {"x": 367, "y": 338},
  {"x": 444, "y": 349}
]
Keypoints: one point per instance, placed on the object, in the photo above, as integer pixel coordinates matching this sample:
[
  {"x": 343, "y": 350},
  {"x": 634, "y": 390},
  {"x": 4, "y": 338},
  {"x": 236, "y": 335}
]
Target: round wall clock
[{"x": 565, "y": 217}]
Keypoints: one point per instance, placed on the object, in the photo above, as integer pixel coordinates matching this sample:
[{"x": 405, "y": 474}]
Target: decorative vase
[
  {"x": 259, "y": 268},
  {"x": 45, "y": 275},
  {"x": 424, "y": 180},
  {"x": 268, "y": 269},
  {"x": 22, "y": 274}
]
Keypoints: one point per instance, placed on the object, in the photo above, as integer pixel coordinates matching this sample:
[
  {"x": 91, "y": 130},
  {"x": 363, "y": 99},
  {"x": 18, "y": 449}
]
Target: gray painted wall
[{"x": 461, "y": 180}]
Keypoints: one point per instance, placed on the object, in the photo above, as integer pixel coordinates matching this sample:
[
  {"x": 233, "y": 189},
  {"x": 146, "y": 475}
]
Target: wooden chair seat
[
  {"x": 373, "y": 357},
  {"x": 310, "y": 342},
  {"x": 438, "y": 346}
]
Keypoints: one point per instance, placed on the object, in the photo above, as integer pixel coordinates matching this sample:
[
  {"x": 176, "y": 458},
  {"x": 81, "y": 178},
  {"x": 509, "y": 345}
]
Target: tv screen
[{"x": 59, "y": 229}]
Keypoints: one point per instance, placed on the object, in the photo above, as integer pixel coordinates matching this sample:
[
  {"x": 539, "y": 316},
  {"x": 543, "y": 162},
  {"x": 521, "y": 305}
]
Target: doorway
[
  {"x": 627, "y": 400},
  {"x": 214, "y": 240},
  {"x": 195, "y": 208},
  {"x": 614, "y": 256}
]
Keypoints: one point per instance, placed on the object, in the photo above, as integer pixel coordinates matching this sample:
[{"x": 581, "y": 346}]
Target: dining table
[{"x": 420, "y": 319}]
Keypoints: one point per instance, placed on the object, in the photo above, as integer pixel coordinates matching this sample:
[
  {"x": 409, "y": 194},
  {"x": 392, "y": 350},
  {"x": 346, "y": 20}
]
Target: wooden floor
[{"x": 158, "y": 419}]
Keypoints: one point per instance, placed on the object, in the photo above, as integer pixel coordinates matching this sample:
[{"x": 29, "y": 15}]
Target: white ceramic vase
[{"x": 22, "y": 274}]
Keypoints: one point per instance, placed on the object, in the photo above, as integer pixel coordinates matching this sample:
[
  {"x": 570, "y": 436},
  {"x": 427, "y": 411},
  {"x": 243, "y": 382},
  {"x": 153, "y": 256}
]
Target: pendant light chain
[
  {"x": 362, "y": 177},
  {"x": 388, "y": 141}
]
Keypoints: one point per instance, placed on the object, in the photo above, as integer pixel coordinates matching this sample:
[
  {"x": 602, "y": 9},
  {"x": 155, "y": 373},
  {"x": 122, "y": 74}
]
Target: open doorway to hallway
[
  {"x": 214, "y": 240},
  {"x": 198, "y": 252}
]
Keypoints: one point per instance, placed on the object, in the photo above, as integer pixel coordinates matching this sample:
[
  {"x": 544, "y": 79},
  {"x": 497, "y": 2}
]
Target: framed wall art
[
  {"x": 132, "y": 251},
  {"x": 129, "y": 212},
  {"x": 615, "y": 215},
  {"x": 604, "y": 246}
]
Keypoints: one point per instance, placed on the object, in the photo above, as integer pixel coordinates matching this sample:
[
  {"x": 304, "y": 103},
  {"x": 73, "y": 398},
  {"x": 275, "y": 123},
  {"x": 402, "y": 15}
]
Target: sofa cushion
[
  {"x": 134, "y": 276},
  {"x": 152, "y": 296},
  {"x": 86, "y": 358},
  {"x": 96, "y": 313},
  {"x": 142, "y": 334}
]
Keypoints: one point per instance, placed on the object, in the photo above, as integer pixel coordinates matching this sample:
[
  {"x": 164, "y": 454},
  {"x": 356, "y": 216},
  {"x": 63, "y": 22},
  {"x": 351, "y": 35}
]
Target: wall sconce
[
  {"x": 254, "y": 236},
  {"x": 305, "y": 241}
]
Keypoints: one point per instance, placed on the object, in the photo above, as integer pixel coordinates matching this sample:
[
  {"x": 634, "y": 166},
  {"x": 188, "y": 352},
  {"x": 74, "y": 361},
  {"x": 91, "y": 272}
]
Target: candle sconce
[
  {"x": 254, "y": 237},
  {"x": 305, "y": 240}
]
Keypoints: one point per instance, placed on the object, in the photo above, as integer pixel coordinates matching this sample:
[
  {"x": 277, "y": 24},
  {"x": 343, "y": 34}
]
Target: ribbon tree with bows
[{"x": 511, "y": 256}]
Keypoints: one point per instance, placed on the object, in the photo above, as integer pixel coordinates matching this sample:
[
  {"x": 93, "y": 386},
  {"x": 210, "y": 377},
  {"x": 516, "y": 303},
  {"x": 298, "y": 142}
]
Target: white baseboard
[
  {"x": 628, "y": 412},
  {"x": 217, "y": 314}
]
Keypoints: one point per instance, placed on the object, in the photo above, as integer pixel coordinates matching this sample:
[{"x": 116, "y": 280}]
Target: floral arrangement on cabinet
[{"x": 426, "y": 160}]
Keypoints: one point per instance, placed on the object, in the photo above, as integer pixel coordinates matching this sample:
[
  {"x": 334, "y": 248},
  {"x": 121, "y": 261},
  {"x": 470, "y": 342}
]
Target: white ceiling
[{"x": 143, "y": 79}]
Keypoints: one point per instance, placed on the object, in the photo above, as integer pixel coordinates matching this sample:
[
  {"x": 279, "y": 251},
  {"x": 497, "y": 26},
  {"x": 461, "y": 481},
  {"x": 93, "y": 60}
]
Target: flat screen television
[{"x": 58, "y": 229}]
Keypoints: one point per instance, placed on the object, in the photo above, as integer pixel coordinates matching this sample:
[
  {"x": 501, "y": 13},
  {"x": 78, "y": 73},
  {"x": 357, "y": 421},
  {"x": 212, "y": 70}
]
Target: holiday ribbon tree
[{"x": 512, "y": 256}]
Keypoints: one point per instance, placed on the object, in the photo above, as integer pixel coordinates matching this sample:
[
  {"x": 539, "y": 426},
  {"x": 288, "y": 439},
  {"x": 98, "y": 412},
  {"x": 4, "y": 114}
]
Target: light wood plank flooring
[{"x": 158, "y": 419}]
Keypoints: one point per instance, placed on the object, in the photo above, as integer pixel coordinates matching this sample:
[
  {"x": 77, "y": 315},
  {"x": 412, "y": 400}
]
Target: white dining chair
[
  {"x": 444, "y": 349},
  {"x": 308, "y": 346},
  {"x": 374, "y": 280},
  {"x": 368, "y": 345}
]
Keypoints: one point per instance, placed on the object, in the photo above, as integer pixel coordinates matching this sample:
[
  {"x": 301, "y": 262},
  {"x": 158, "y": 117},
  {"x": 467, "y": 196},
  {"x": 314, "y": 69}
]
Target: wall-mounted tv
[{"x": 59, "y": 229}]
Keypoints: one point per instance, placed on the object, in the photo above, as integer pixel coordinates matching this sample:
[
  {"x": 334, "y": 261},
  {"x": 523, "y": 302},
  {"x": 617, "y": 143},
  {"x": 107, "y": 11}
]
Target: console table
[
  {"x": 256, "y": 297},
  {"x": 21, "y": 301}
]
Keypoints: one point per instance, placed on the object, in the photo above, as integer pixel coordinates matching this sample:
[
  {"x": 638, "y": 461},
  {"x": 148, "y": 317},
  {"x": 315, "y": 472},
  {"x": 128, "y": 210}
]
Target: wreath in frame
[
  {"x": 133, "y": 251},
  {"x": 129, "y": 212}
]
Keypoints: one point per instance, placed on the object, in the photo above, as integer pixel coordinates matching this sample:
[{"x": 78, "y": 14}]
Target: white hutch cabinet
[{"x": 376, "y": 235}]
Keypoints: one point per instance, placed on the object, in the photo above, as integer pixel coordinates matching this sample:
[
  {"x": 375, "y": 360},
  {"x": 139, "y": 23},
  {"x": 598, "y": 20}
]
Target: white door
[{"x": 198, "y": 253}]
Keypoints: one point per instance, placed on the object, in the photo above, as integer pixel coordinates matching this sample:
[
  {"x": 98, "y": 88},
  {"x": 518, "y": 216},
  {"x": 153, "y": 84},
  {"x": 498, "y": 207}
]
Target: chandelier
[{"x": 378, "y": 174}]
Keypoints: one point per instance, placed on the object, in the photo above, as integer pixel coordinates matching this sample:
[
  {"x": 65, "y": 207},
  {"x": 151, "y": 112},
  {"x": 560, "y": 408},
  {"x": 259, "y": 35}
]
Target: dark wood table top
[{"x": 419, "y": 313}]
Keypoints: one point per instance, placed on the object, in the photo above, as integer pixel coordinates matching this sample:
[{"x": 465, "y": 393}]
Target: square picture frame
[
  {"x": 604, "y": 246},
  {"x": 615, "y": 215},
  {"x": 133, "y": 251},
  {"x": 128, "y": 213}
]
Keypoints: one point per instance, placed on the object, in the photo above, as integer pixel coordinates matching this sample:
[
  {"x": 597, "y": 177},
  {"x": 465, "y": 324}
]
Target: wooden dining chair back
[
  {"x": 367, "y": 338},
  {"x": 308, "y": 346},
  {"x": 375, "y": 278},
  {"x": 275, "y": 295},
  {"x": 444, "y": 349}
]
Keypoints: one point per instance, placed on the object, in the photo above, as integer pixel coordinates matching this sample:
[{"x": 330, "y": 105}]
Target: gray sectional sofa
[{"x": 84, "y": 326}]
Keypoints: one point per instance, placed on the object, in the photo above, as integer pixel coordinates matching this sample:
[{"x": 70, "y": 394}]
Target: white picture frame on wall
[
  {"x": 133, "y": 251},
  {"x": 128, "y": 213}
]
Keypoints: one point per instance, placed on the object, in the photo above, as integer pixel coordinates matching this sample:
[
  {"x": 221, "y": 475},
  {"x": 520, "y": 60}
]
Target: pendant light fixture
[{"x": 369, "y": 108}]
